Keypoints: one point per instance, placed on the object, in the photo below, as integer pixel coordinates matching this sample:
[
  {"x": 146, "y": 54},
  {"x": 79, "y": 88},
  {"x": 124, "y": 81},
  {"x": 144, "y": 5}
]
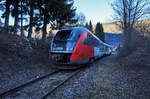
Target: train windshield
[
  {"x": 64, "y": 35},
  {"x": 65, "y": 40}
]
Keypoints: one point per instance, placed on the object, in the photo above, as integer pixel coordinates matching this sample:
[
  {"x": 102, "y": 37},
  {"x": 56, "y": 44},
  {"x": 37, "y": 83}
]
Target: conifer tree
[
  {"x": 55, "y": 12},
  {"x": 99, "y": 31},
  {"x": 87, "y": 25},
  {"x": 90, "y": 26},
  {"x": 40, "y": 13}
]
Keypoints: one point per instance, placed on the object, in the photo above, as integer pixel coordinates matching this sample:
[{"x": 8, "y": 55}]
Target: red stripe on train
[{"x": 82, "y": 51}]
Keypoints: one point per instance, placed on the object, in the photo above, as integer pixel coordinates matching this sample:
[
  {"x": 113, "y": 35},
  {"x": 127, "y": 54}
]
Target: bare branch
[{"x": 130, "y": 11}]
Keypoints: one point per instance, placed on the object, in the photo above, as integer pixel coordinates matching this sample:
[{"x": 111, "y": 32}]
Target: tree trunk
[
  {"x": 45, "y": 12},
  {"x": 22, "y": 33},
  {"x": 7, "y": 14},
  {"x": 44, "y": 27},
  {"x": 16, "y": 5},
  {"x": 31, "y": 21}
]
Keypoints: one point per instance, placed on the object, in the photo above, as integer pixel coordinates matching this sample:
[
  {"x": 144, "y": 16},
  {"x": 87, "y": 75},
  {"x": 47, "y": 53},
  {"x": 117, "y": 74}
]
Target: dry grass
[{"x": 112, "y": 27}]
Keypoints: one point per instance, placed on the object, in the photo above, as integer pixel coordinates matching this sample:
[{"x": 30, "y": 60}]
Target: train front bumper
[
  {"x": 72, "y": 62},
  {"x": 62, "y": 61},
  {"x": 70, "y": 65}
]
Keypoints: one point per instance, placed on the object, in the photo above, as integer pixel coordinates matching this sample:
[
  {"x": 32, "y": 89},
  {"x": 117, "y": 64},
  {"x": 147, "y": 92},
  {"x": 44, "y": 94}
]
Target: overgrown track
[{"x": 27, "y": 84}]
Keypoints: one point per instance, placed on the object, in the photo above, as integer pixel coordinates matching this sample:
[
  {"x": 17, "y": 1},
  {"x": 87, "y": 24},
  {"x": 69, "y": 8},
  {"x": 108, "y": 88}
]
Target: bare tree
[{"x": 130, "y": 11}]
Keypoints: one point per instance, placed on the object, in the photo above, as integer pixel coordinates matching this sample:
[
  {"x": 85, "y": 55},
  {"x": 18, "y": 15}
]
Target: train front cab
[{"x": 63, "y": 45}]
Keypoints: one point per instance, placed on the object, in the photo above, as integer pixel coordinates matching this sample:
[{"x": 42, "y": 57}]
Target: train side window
[
  {"x": 93, "y": 41},
  {"x": 90, "y": 40},
  {"x": 102, "y": 48}
]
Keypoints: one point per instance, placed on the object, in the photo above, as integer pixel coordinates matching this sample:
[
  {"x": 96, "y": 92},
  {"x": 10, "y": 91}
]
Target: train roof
[{"x": 75, "y": 28}]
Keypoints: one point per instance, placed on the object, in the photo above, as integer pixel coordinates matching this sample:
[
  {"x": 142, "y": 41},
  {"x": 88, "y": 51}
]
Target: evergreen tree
[
  {"x": 63, "y": 12},
  {"x": 87, "y": 25},
  {"x": 90, "y": 26},
  {"x": 54, "y": 12},
  {"x": 99, "y": 31}
]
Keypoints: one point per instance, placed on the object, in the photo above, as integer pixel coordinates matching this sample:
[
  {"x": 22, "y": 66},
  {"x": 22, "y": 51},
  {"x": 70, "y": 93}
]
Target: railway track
[
  {"x": 9, "y": 91},
  {"x": 30, "y": 85}
]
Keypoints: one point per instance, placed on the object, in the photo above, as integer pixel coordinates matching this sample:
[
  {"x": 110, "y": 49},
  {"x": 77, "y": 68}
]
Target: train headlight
[
  {"x": 69, "y": 49},
  {"x": 70, "y": 46},
  {"x": 54, "y": 48}
]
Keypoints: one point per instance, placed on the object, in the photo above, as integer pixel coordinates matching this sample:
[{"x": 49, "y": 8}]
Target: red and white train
[{"x": 76, "y": 45}]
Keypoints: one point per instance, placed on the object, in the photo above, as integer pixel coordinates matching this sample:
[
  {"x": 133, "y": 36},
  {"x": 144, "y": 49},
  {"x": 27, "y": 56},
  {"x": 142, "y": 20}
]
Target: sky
[{"x": 95, "y": 10}]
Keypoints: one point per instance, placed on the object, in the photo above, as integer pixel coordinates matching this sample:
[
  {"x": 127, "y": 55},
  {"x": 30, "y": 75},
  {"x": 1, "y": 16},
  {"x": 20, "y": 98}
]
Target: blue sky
[{"x": 95, "y": 10}]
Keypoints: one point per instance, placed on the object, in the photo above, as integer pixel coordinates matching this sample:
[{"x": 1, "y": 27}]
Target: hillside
[{"x": 112, "y": 27}]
